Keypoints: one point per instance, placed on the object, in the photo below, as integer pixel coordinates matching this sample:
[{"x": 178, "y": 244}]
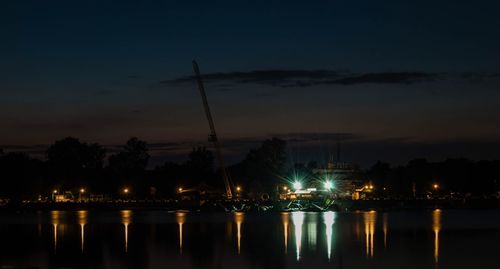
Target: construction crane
[{"x": 213, "y": 135}]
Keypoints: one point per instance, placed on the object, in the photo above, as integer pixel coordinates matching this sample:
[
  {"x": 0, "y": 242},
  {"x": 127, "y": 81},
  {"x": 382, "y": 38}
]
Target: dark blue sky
[{"x": 406, "y": 79}]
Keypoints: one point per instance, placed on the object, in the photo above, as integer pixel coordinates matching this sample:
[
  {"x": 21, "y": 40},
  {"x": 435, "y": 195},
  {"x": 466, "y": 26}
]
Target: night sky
[{"x": 393, "y": 80}]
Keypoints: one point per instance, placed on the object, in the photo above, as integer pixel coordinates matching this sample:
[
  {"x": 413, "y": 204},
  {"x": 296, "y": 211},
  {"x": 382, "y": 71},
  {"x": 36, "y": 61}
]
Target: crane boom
[{"x": 213, "y": 134}]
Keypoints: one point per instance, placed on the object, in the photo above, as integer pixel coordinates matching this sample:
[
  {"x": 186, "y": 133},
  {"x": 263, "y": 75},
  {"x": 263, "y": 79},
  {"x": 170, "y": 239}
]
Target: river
[{"x": 161, "y": 239}]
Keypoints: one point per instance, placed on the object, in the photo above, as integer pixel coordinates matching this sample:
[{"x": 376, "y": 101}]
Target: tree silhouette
[
  {"x": 128, "y": 166},
  {"x": 200, "y": 165},
  {"x": 72, "y": 162},
  {"x": 21, "y": 176},
  {"x": 133, "y": 158},
  {"x": 263, "y": 168}
]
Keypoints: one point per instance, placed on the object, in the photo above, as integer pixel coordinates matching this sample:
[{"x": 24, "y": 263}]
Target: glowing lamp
[{"x": 297, "y": 185}]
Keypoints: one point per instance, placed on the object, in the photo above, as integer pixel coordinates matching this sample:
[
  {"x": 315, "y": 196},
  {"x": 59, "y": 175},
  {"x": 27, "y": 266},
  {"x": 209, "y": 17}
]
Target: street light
[
  {"x": 54, "y": 192},
  {"x": 238, "y": 189},
  {"x": 328, "y": 185},
  {"x": 297, "y": 185},
  {"x": 179, "y": 189},
  {"x": 82, "y": 190},
  {"x": 126, "y": 190},
  {"x": 435, "y": 186}
]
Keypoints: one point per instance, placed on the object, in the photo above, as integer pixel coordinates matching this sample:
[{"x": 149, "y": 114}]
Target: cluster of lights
[
  {"x": 369, "y": 187},
  {"x": 297, "y": 185}
]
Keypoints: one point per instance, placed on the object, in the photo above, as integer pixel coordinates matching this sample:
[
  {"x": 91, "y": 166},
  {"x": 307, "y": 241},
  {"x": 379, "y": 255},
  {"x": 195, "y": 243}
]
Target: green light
[
  {"x": 328, "y": 185},
  {"x": 297, "y": 185}
]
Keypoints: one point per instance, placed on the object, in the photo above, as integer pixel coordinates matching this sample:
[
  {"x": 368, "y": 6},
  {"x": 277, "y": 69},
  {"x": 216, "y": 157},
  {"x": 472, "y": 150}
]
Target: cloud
[
  {"x": 258, "y": 76},
  {"x": 318, "y": 137},
  {"x": 479, "y": 76},
  {"x": 308, "y": 78},
  {"x": 388, "y": 78}
]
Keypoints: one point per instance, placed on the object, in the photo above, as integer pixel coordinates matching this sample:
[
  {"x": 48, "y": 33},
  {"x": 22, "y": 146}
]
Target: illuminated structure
[
  {"x": 63, "y": 197},
  {"x": 343, "y": 175}
]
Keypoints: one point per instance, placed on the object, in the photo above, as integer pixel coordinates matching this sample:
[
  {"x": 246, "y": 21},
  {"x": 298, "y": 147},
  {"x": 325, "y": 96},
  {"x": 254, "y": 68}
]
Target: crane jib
[{"x": 213, "y": 135}]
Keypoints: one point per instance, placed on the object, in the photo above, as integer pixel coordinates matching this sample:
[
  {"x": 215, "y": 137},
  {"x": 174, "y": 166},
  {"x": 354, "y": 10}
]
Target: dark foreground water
[{"x": 158, "y": 239}]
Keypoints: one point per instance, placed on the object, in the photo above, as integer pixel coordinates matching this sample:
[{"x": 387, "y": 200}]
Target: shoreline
[{"x": 257, "y": 206}]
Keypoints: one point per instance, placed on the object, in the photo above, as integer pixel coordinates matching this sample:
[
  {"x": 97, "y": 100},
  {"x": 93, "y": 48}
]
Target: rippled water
[{"x": 158, "y": 239}]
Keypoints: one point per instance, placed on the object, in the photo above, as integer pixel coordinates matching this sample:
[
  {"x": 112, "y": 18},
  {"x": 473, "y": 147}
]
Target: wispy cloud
[
  {"x": 308, "y": 78},
  {"x": 479, "y": 76}
]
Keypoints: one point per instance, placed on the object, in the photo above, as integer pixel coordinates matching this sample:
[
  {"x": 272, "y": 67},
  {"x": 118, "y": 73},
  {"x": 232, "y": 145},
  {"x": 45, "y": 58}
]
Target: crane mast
[{"x": 213, "y": 134}]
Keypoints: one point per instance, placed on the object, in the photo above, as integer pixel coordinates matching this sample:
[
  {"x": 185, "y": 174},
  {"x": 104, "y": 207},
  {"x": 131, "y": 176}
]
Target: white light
[
  {"x": 328, "y": 185},
  {"x": 297, "y": 185},
  {"x": 329, "y": 220},
  {"x": 298, "y": 221}
]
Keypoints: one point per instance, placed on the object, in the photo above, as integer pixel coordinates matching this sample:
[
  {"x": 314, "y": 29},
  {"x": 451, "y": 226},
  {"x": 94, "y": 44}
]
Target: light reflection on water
[
  {"x": 370, "y": 219},
  {"x": 238, "y": 219},
  {"x": 82, "y": 220},
  {"x": 285, "y": 219},
  {"x": 436, "y": 226},
  {"x": 181, "y": 218},
  {"x": 253, "y": 240},
  {"x": 55, "y": 222},
  {"x": 329, "y": 220},
  {"x": 126, "y": 216},
  {"x": 385, "y": 227},
  {"x": 298, "y": 221}
]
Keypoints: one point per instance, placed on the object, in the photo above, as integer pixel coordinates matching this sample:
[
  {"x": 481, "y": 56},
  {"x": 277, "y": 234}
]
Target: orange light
[
  {"x": 179, "y": 189},
  {"x": 238, "y": 189},
  {"x": 82, "y": 190},
  {"x": 126, "y": 190},
  {"x": 55, "y": 191},
  {"x": 435, "y": 186}
]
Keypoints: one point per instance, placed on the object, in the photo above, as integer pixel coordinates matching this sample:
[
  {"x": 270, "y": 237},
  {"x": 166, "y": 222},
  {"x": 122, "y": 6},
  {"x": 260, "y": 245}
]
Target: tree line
[
  {"x": 458, "y": 176},
  {"x": 71, "y": 164}
]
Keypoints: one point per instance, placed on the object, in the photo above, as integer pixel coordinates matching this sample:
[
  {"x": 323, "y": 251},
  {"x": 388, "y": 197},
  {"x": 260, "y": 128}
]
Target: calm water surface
[{"x": 158, "y": 239}]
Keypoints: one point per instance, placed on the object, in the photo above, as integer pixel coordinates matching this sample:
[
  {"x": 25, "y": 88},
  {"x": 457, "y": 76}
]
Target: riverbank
[{"x": 247, "y": 205}]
